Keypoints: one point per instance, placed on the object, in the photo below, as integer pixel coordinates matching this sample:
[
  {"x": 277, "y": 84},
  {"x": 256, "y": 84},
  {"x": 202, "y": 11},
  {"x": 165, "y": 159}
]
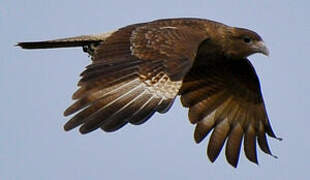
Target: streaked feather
[
  {"x": 250, "y": 144},
  {"x": 233, "y": 145},
  {"x": 203, "y": 127},
  {"x": 217, "y": 140}
]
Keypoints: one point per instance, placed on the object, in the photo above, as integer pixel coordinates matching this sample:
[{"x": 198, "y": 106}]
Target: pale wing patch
[{"x": 161, "y": 85}]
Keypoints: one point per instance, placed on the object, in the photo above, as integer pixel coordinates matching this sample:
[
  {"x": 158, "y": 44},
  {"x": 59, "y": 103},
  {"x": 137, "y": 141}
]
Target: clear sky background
[{"x": 36, "y": 87}]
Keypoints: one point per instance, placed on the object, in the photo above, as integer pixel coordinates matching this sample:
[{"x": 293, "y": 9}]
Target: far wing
[
  {"x": 135, "y": 72},
  {"x": 225, "y": 96}
]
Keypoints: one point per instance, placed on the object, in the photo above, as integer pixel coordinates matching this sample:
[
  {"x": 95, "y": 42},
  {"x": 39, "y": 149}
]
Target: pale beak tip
[
  {"x": 262, "y": 48},
  {"x": 266, "y": 52}
]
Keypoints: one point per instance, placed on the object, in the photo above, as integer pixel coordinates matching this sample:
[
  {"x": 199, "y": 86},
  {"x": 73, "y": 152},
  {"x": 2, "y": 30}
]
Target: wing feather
[
  {"x": 262, "y": 140},
  {"x": 145, "y": 111},
  {"x": 203, "y": 127},
  {"x": 234, "y": 144},
  {"x": 217, "y": 140},
  {"x": 110, "y": 107},
  {"x": 135, "y": 72},
  {"x": 250, "y": 144},
  {"x": 206, "y": 106},
  {"x": 224, "y": 95}
]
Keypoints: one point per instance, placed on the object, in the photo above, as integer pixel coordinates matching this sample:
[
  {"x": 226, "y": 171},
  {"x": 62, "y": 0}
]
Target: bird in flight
[{"x": 139, "y": 69}]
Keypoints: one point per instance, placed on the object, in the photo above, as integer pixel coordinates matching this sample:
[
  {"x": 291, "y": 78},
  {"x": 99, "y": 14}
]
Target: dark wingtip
[
  {"x": 68, "y": 112},
  {"x": 274, "y": 156},
  {"x": 269, "y": 153},
  {"x": 233, "y": 163},
  {"x": 275, "y": 137},
  {"x": 257, "y": 163},
  {"x": 254, "y": 160},
  {"x": 197, "y": 137},
  {"x": 84, "y": 130},
  {"x": 211, "y": 155},
  {"x": 68, "y": 126},
  {"x": 272, "y": 134},
  {"x": 211, "y": 158},
  {"x": 278, "y": 138}
]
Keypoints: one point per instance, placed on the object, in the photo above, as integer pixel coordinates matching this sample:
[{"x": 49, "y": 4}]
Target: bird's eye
[{"x": 247, "y": 39}]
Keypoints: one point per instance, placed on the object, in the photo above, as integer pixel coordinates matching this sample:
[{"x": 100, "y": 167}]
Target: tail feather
[{"x": 77, "y": 41}]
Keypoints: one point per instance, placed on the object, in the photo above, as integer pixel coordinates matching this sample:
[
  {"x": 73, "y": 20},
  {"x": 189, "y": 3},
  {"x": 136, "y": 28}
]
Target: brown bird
[{"x": 139, "y": 69}]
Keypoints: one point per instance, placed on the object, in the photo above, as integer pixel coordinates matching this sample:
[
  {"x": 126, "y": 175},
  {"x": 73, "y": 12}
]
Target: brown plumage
[{"x": 140, "y": 69}]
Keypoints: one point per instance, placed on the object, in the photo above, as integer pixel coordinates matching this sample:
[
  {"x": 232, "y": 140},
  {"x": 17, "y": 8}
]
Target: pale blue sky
[{"x": 36, "y": 87}]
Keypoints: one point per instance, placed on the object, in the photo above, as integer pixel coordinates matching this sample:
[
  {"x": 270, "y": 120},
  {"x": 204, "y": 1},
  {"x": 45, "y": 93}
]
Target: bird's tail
[{"x": 77, "y": 41}]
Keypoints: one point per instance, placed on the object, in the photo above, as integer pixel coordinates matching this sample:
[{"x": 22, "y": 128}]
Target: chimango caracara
[{"x": 140, "y": 69}]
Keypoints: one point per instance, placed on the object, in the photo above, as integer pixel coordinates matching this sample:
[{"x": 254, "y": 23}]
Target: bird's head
[{"x": 243, "y": 43}]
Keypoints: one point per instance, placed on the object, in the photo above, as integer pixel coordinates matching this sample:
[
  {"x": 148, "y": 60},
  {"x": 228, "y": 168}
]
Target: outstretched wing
[
  {"x": 135, "y": 72},
  {"x": 225, "y": 95}
]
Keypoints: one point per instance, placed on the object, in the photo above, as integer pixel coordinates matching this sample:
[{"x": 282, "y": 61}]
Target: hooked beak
[{"x": 261, "y": 47}]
